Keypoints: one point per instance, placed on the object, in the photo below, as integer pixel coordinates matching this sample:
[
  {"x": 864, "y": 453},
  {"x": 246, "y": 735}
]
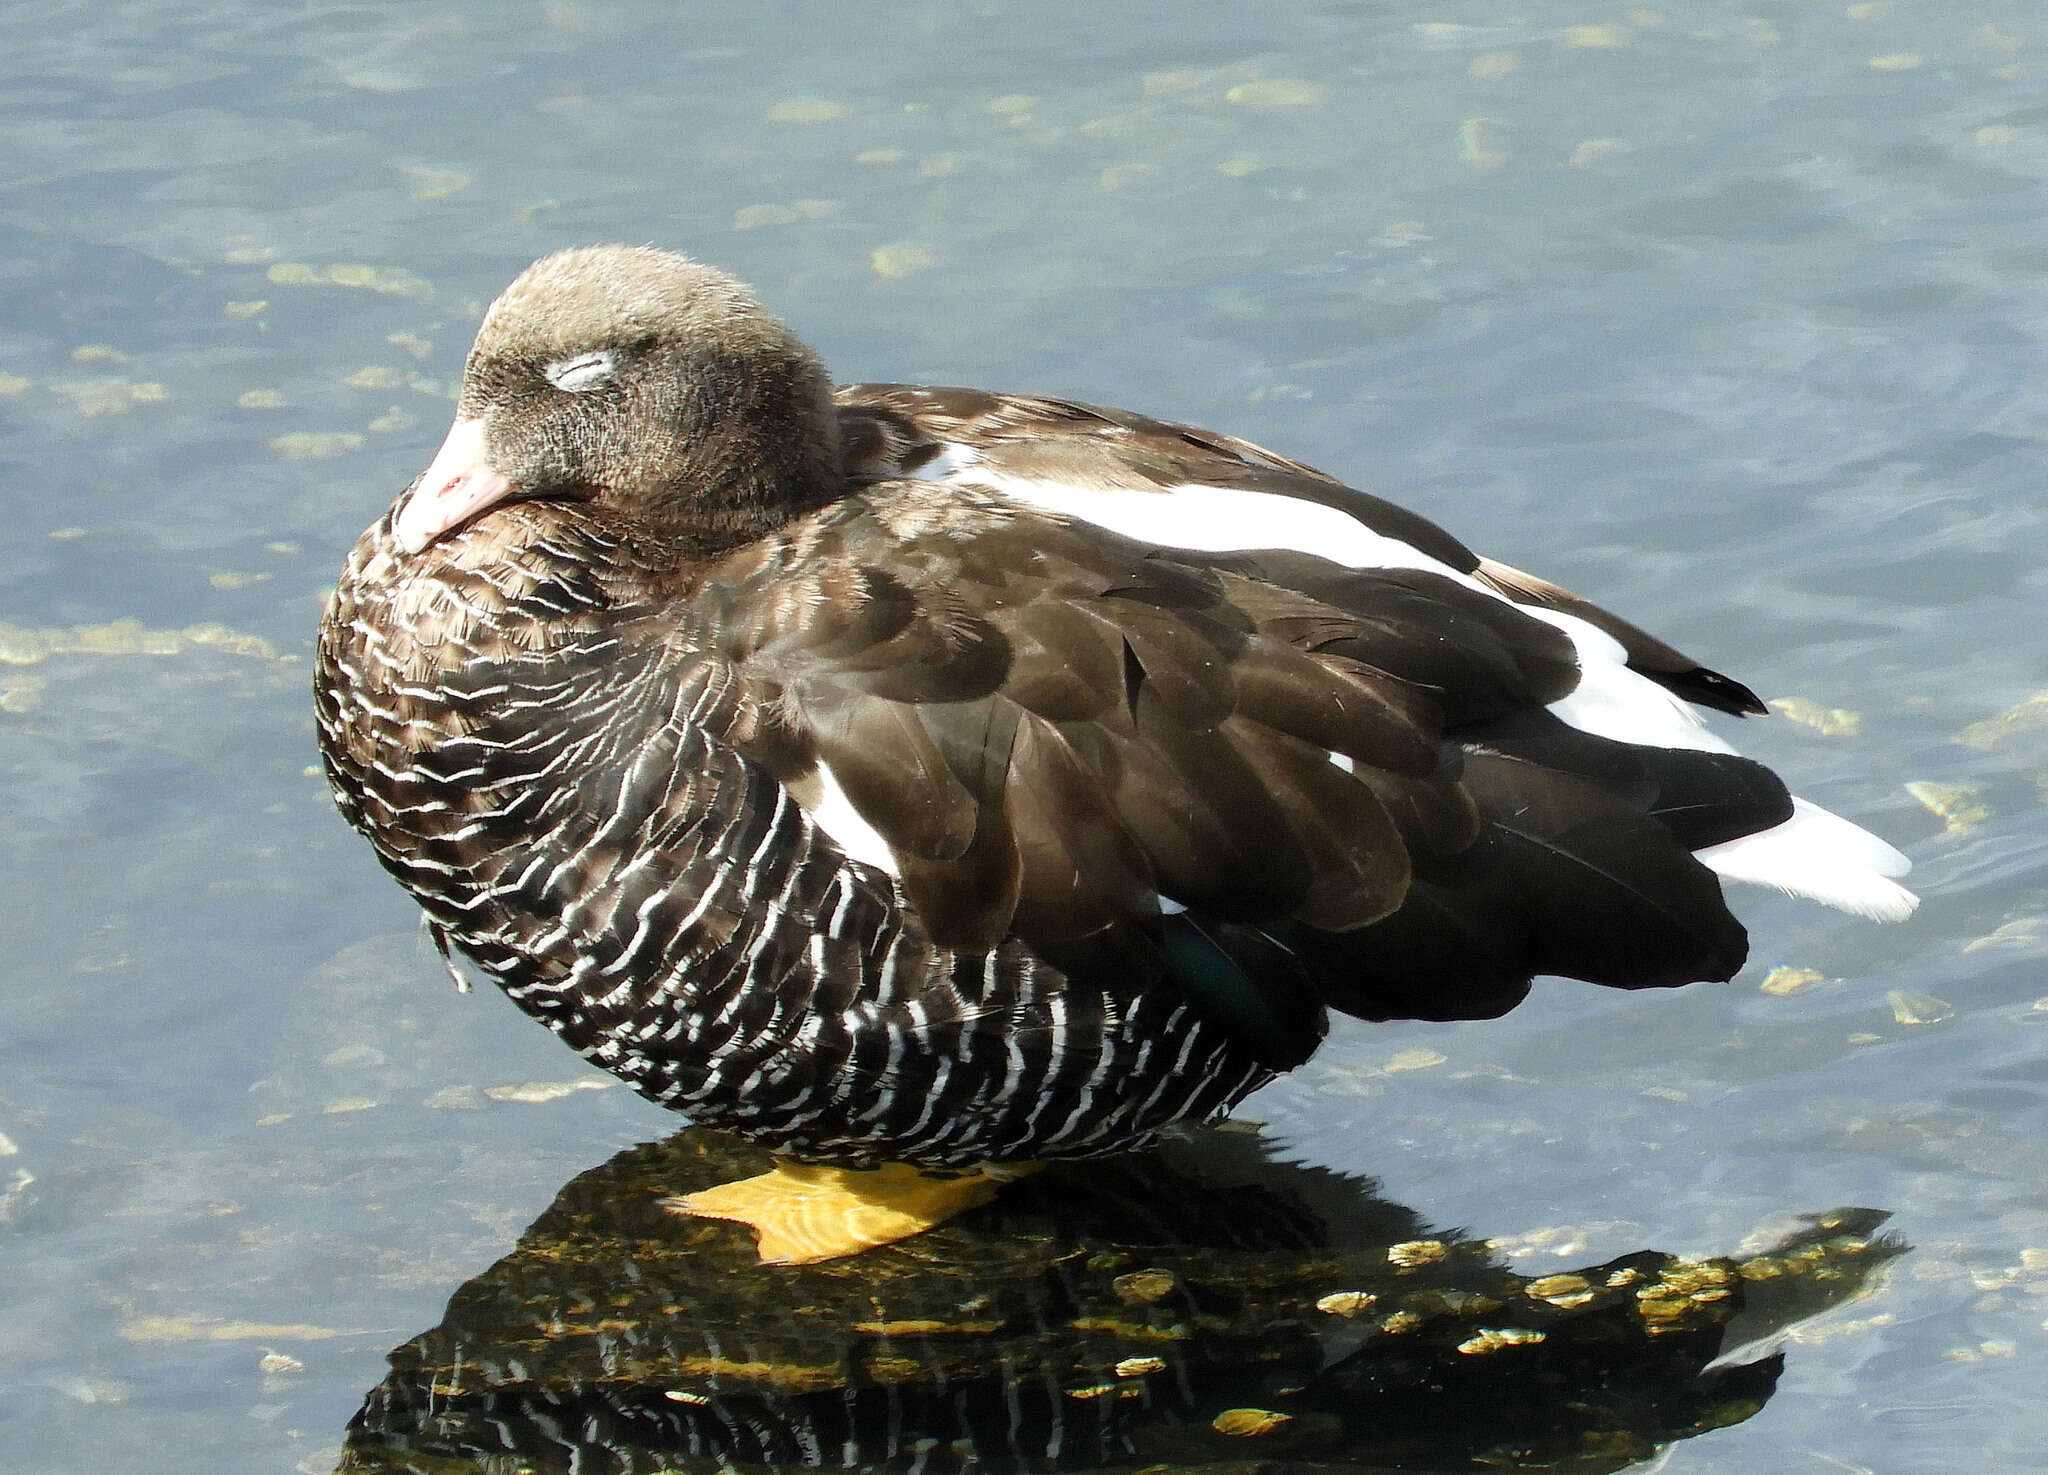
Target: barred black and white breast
[{"x": 943, "y": 777}]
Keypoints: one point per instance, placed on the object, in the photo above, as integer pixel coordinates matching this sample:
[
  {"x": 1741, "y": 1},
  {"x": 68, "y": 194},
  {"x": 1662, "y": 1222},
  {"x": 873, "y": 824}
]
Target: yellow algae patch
[
  {"x": 1451, "y": 1303},
  {"x": 437, "y": 184},
  {"x": 376, "y": 376},
  {"x": 97, "y": 353},
  {"x": 455, "y": 1098},
  {"x": 1143, "y": 1287},
  {"x": 388, "y": 281},
  {"x": 229, "y": 579},
  {"x": 1957, "y": 806},
  {"x": 306, "y": 445},
  {"x": 1492, "y": 64},
  {"x": 1592, "y": 150},
  {"x": 2023, "y": 932},
  {"x": 1993, "y": 732},
  {"x": 1865, "y": 10},
  {"x": 1129, "y": 1330},
  {"x": 1912, "y": 1008},
  {"x": 1248, "y": 1423},
  {"x": 1560, "y": 1290},
  {"x": 1786, "y": 979},
  {"x": 536, "y": 1092},
  {"x": 1105, "y": 1390},
  {"x": 205, "y": 1329},
  {"x": 1896, "y": 61},
  {"x": 1276, "y": 93},
  {"x": 1492, "y": 1339},
  {"x": 1417, "y": 1059},
  {"x": 1595, "y": 38},
  {"x": 1472, "y": 150},
  {"x": 20, "y": 646},
  {"x": 1702, "y": 1280},
  {"x": 259, "y": 399},
  {"x": 248, "y": 309},
  {"x": 1827, "y": 721},
  {"x": 95, "y": 398},
  {"x": 1411, "y": 1253},
  {"x": 1682, "y": 1289},
  {"x": 20, "y": 695},
  {"x": 383, "y": 80},
  {"x": 901, "y": 259},
  {"x": 789, "y": 1377},
  {"x": 232, "y": 641},
  {"x": 808, "y": 110},
  {"x": 755, "y": 217},
  {"x": 893, "y": 1369}
]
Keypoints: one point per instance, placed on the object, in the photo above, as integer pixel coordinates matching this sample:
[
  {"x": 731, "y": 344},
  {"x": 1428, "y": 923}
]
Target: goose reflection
[{"x": 1199, "y": 1305}]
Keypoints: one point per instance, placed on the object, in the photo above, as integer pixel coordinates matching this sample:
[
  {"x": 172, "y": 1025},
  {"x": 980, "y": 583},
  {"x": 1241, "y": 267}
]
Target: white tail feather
[{"x": 1822, "y": 856}]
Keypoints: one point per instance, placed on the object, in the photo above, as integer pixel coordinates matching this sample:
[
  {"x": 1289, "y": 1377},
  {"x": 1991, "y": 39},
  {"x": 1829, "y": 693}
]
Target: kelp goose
[{"x": 926, "y": 782}]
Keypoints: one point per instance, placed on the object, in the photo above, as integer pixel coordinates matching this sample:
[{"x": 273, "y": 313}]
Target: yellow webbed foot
[{"x": 806, "y": 1213}]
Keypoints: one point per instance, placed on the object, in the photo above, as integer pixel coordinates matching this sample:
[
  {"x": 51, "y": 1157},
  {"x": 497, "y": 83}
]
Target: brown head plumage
[{"x": 642, "y": 381}]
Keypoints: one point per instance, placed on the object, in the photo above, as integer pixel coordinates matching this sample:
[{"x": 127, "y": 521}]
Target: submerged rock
[{"x": 1199, "y": 1305}]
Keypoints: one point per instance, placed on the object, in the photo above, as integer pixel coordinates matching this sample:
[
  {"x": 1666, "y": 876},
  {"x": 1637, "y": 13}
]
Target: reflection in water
[{"x": 1197, "y": 1305}]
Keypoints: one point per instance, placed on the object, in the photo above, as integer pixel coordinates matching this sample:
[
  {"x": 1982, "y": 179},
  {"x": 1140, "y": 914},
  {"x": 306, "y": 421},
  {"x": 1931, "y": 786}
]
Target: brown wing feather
[
  {"x": 1100, "y": 723},
  {"x": 893, "y": 429}
]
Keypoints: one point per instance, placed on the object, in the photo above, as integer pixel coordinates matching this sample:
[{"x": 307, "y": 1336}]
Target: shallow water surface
[{"x": 1731, "y": 320}]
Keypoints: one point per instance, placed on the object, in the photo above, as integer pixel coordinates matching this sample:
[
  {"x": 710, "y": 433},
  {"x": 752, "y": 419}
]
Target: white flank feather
[{"x": 831, "y": 811}]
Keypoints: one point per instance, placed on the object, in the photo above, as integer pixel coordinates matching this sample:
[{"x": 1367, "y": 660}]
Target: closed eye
[{"x": 583, "y": 372}]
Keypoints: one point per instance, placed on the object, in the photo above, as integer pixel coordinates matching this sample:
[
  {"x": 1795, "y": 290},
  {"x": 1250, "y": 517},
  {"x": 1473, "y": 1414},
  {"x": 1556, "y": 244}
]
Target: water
[{"x": 1731, "y": 319}]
